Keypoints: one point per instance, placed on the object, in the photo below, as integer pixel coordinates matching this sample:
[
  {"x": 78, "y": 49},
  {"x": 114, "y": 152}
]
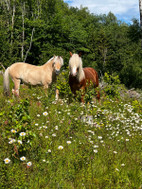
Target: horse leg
[
  {"x": 45, "y": 87},
  {"x": 57, "y": 94},
  {"x": 15, "y": 91},
  {"x": 98, "y": 95},
  {"x": 82, "y": 94},
  {"x": 82, "y": 99}
]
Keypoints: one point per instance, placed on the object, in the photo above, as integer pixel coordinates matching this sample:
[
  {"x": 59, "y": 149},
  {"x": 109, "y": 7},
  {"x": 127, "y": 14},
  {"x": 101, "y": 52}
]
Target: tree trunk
[
  {"x": 12, "y": 26},
  {"x": 30, "y": 45},
  {"x": 140, "y": 8},
  {"x": 7, "y": 2},
  {"x": 23, "y": 32}
]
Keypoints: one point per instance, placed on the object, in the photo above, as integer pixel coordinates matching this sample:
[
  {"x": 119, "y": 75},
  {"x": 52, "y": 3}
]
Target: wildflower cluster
[{"x": 87, "y": 139}]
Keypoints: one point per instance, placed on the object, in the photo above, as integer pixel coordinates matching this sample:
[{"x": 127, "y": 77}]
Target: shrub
[
  {"x": 62, "y": 85},
  {"x": 111, "y": 85}
]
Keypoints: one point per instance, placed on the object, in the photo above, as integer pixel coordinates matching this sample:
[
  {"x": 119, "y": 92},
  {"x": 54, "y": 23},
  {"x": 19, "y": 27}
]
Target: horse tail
[{"x": 6, "y": 88}]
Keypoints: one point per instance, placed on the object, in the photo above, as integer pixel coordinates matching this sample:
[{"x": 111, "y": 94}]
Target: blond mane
[
  {"x": 55, "y": 58},
  {"x": 76, "y": 62}
]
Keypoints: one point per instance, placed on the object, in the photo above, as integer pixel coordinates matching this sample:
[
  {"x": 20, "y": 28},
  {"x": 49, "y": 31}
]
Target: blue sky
[{"x": 124, "y": 10}]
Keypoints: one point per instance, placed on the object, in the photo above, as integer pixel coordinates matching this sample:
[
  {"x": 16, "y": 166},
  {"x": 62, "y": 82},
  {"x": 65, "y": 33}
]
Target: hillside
[{"x": 65, "y": 144}]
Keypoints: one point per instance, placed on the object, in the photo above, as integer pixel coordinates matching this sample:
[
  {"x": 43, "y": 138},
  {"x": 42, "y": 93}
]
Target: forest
[{"x": 33, "y": 31}]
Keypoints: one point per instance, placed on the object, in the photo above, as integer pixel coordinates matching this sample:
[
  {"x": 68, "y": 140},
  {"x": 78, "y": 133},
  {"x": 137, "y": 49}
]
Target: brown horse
[
  {"x": 31, "y": 74},
  {"x": 79, "y": 77}
]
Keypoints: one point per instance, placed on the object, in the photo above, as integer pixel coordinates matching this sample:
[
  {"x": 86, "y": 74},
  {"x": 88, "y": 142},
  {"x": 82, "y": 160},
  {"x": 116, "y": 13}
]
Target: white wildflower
[
  {"x": 7, "y": 160},
  {"x": 19, "y": 141},
  {"x": 69, "y": 142},
  {"x": 96, "y": 146},
  {"x": 13, "y": 131},
  {"x": 122, "y": 164},
  {"x": 54, "y": 135},
  {"x": 100, "y": 137},
  {"x": 12, "y": 141},
  {"x": 60, "y": 147},
  {"x": 95, "y": 151},
  {"x": 45, "y": 127},
  {"x": 45, "y": 113},
  {"x": 114, "y": 152},
  {"x": 56, "y": 127},
  {"x": 29, "y": 164},
  {"x": 22, "y": 134},
  {"x": 23, "y": 158}
]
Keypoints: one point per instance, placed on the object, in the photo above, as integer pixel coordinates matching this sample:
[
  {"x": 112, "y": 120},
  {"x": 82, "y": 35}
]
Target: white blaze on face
[{"x": 74, "y": 71}]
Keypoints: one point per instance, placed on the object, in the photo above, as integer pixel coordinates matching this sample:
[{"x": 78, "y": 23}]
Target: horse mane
[
  {"x": 56, "y": 57},
  {"x": 76, "y": 61},
  {"x": 61, "y": 60},
  {"x": 49, "y": 60}
]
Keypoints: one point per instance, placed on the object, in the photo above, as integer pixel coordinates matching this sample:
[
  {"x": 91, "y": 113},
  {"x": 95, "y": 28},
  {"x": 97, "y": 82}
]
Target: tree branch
[
  {"x": 2, "y": 66},
  {"x": 30, "y": 45}
]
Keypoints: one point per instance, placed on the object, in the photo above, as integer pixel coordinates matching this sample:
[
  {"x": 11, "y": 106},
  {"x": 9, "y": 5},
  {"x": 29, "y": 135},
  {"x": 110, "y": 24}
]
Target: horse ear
[
  {"x": 71, "y": 53},
  {"x": 80, "y": 54}
]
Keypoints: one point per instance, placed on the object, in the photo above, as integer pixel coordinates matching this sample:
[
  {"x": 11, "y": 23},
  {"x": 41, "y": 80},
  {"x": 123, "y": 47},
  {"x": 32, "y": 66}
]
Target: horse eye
[{"x": 77, "y": 69}]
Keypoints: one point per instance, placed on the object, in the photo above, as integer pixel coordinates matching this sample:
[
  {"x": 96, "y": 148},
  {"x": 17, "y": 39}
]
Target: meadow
[{"x": 46, "y": 143}]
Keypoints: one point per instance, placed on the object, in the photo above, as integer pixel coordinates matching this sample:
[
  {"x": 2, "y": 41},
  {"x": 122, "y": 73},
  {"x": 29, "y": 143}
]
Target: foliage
[
  {"x": 33, "y": 31},
  {"x": 62, "y": 85},
  {"x": 112, "y": 85}
]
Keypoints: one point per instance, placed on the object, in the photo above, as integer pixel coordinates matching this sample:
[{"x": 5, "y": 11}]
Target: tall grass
[{"x": 65, "y": 144}]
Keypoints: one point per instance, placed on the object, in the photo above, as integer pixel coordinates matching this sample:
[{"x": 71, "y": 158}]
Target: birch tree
[
  {"x": 23, "y": 32},
  {"x": 29, "y": 45},
  {"x": 12, "y": 23}
]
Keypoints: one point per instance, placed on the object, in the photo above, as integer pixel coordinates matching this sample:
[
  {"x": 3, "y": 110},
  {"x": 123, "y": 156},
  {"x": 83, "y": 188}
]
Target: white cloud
[{"x": 123, "y": 9}]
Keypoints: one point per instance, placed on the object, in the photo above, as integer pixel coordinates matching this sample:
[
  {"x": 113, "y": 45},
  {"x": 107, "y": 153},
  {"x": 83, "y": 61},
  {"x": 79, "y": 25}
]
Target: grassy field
[{"x": 48, "y": 144}]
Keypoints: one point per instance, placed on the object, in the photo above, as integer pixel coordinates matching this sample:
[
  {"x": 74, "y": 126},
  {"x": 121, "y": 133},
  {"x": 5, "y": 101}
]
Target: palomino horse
[
  {"x": 79, "y": 77},
  {"x": 31, "y": 74}
]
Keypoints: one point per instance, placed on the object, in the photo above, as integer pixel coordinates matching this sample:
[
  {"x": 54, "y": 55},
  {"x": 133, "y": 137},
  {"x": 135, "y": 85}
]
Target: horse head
[
  {"x": 75, "y": 64},
  {"x": 57, "y": 64}
]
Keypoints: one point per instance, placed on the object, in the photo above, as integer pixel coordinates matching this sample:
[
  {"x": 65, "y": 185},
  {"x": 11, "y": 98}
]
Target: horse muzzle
[
  {"x": 74, "y": 72},
  {"x": 57, "y": 72}
]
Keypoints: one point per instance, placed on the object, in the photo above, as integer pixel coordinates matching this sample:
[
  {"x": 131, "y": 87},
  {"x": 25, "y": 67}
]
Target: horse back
[
  {"x": 91, "y": 75},
  {"x": 20, "y": 68},
  {"x": 29, "y": 74}
]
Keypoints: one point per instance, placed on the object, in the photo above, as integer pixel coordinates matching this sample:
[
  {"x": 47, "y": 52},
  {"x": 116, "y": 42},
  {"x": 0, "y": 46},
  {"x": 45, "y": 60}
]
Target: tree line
[{"x": 34, "y": 30}]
